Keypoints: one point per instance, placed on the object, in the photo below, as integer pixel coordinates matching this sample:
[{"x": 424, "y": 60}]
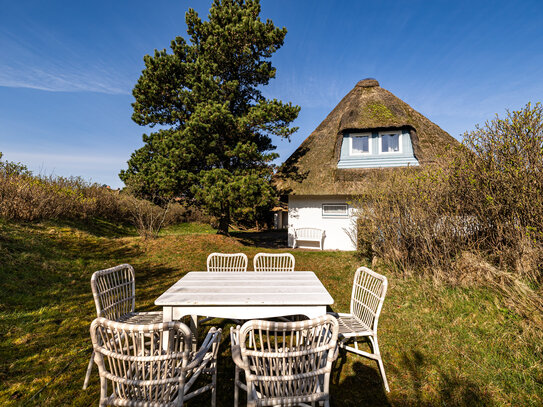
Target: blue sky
[{"x": 67, "y": 68}]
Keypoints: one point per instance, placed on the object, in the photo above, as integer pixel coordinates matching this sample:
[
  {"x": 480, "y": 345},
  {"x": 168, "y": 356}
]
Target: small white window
[
  {"x": 360, "y": 144},
  {"x": 335, "y": 210},
  {"x": 389, "y": 142}
]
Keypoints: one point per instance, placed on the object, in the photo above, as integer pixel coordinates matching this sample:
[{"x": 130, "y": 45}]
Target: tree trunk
[{"x": 224, "y": 221}]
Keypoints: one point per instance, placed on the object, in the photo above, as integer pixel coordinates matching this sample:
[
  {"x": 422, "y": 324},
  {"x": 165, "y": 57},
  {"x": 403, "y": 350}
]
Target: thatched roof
[{"x": 312, "y": 168}]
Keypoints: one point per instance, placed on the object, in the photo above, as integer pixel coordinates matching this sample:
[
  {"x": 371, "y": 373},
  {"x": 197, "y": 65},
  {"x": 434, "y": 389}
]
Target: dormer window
[
  {"x": 390, "y": 142},
  {"x": 377, "y": 148},
  {"x": 360, "y": 144}
]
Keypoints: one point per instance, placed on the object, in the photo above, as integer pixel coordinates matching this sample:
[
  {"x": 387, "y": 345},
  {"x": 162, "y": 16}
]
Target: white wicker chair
[
  {"x": 368, "y": 295},
  {"x": 152, "y": 365},
  {"x": 274, "y": 262},
  {"x": 225, "y": 262},
  {"x": 285, "y": 363},
  {"x": 114, "y": 292}
]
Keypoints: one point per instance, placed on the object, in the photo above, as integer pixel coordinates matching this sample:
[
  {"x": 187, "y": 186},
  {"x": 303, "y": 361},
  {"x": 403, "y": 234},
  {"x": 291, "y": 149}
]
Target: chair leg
[
  {"x": 214, "y": 385},
  {"x": 236, "y": 388},
  {"x": 89, "y": 370},
  {"x": 375, "y": 344}
]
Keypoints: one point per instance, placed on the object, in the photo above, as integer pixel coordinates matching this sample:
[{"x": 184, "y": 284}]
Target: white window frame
[
  {"x": 336, "y": 215},
  {"x": 400, "y": 144},
  {"x": 352, "y": 135}
]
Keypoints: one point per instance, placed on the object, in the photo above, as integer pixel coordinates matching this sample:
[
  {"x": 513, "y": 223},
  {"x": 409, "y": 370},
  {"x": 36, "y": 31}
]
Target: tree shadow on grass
[
  {"x": 365, "y": 386},
  {"x": 270, "y": 239},
  {"x": 452, "y": 388}
]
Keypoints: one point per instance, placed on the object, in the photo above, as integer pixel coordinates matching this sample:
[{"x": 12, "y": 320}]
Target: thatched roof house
[
  {"x": 313, "y": 168},
  {"x": 367, "y": 135}
]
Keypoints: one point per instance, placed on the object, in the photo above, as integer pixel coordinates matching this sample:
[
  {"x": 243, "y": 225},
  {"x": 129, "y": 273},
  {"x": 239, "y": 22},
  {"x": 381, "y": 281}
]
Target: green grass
[
  {"x": 188, "y": 229},
  {"x": 440, "y": 345}
]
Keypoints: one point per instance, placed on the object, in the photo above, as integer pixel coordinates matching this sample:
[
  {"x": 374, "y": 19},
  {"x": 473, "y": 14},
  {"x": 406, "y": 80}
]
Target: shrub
[
  {"x": 484, "y": 197},
  {"x": 500, "y": 179},
  {"x": 25, "y": 197},
  {"x": 410, "y": 222},
  {"x": 147, "y": 217}
]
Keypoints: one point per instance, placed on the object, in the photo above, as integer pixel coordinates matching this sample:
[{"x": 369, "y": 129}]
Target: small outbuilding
[{"x": 369, "y": 130}]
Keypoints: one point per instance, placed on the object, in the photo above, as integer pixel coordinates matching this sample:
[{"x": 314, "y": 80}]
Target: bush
[
  {"x": 500, "y": 179},
  {"x": 410, "y": 222},
  {"x": 26, "y": 197},
  {"x": 485, "y": 197},
  {"x": 182, "y": 211},
  {"x": 147, "y": 217}
]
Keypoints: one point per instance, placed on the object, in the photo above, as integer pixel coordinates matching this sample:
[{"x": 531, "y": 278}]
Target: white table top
[{"x": 249, "y": 288}]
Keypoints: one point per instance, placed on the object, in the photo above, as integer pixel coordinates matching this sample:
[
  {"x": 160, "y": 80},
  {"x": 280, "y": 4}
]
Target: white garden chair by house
[
  {"x": 152, "y": 365},
  {"x": 368, "y": 295},
  {"x": 285, "y": 363},
  {"x": 227, "y": 262},
  {"x": 282, "y": 262},
  {"x": 114, "y": 292}
]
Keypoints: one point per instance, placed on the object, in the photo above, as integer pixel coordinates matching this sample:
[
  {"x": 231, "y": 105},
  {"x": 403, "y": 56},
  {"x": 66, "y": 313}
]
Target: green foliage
[
  {"x": 8, "y": 168},
  {"x": 216, "y": 126}
]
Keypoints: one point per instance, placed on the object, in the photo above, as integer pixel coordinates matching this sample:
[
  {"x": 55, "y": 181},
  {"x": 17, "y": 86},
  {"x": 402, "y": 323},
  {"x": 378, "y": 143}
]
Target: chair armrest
[
  {"x": 333, "y": 313},
  {"x": 213, "y": 336}
]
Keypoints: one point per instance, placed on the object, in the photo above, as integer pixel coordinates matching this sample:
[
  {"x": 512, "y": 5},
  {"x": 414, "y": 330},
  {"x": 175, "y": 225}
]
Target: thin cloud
[
  {"x": 40, "y": 60},
  {"x": 56, "y": 80}
]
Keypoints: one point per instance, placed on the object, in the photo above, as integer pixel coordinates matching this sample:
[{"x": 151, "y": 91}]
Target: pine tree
[{"x": 214, "y": 142}]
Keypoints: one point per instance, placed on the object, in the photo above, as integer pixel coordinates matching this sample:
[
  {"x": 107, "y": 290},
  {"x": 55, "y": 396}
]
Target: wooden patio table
[{"x": 244, "y": 295}]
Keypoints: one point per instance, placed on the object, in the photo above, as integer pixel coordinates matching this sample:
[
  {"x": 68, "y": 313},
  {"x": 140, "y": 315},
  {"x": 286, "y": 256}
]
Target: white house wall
[{"x": 306, "y": 211}]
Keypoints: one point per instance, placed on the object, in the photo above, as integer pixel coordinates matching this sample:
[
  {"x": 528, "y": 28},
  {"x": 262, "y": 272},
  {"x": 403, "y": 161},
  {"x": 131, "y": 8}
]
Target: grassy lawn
[{"x": 440, "y": 345}]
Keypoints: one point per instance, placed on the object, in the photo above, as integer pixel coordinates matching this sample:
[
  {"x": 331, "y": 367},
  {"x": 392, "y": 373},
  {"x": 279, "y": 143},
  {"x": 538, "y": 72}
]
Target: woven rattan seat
[
  {"x": 368, "y": 295},
  {"x": 153, "y": 317},
  {"x": 284, "y": 363},
  {"x": 114, "y": 293},
  {"x": 152, "y": 365},
  {"x": 350, "y": 326}
]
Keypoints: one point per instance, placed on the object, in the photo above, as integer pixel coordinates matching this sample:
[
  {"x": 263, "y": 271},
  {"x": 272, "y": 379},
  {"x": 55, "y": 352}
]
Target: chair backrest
[
  {"x": 286, "y": 360},
  {"x": 227, "y": 262},
  {"x": 309, "y": 233},
  {"x": 369, "y": 290},
  {"x": 143, "y": 363},
  {"x": 114, "y": 291},
  {"x": 274, "y": 262}
]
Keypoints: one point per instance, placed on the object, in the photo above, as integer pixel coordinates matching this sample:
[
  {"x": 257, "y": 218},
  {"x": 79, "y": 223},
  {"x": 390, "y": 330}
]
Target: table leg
[
  {"x": 167, "y": 315},
  {"x": 194, "y": 329}
]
